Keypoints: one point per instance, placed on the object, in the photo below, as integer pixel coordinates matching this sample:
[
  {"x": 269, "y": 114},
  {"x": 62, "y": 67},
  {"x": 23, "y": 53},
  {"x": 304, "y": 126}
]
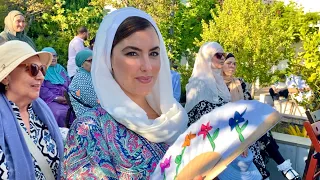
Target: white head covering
[
  {"x": 173, "y": 118},
  {"x": 206, "y": 82}
]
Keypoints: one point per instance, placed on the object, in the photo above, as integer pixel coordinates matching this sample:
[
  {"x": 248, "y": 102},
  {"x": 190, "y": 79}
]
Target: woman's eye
[
  {"x": 154, "y": 54},
  {"x": 131, "y": 54}
]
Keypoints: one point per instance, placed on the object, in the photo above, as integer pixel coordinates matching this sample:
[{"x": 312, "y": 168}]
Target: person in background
[
  {"x": 76, "y": 45},
  {"x": 176, "y": 83},
  {"x": 279, "y": 89},
  {"x": 299, "y": 87},
  {"x": 14, "y": 29},
  {"x": 138, "y": 117},
  {"x": 31, "y": 146},
  {"x": 92, "y": 43},
  {"x": 81, "y": 92},
  {"x": 266, "y": 145},
  {"x": 55, "y": 84},
  {"x": 207, "y": 90}
]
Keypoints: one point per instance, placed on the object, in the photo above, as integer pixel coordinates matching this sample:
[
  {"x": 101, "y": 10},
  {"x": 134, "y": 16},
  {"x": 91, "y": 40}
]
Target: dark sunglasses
[
  {"x": 34, "y": 69},
  {"x": 220, "y": 55}
]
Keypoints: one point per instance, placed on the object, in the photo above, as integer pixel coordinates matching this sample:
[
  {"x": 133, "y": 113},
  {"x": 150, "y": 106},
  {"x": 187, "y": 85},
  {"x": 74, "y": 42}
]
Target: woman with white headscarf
[
  {"x": 138, "y": 117},
  {"x": 206, "y": 89}
]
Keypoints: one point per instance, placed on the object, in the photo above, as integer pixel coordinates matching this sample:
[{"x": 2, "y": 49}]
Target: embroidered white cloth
[{"x": 222, "y": 131}]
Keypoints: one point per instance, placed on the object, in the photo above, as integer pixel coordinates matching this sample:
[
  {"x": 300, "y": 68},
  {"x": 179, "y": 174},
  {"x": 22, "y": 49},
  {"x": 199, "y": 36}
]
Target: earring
[{"x": 6, "y": 87}]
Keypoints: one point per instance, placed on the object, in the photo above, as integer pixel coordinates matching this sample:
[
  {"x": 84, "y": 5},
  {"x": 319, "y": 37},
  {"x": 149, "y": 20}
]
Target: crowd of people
[{"x": 119, "y": 98}]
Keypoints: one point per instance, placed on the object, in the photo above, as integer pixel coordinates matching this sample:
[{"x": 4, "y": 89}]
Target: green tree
[
  {"x": 307, "y": 65},
  {"x": 250, "y": 29},
  {"x": 58, "y": 27},
  {"x": 187, "y": 25}
]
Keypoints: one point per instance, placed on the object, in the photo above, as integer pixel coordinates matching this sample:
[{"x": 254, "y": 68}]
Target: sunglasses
[
  {"x": 34, "y": 69},
  {"x": 220, "y": 55}
]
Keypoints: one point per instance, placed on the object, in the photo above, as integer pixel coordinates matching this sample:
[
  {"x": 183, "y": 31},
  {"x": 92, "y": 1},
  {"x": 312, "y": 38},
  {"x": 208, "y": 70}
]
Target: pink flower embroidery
[
  {"x": 205, "y": 130},
  {"x": 165, "y": 164}
]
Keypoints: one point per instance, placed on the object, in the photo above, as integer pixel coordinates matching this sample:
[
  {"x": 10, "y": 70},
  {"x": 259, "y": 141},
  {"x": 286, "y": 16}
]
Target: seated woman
[
  {"x": 14, "y": 29},
  {"x": 31, "y": 145},
  {"x": 52, "y": 91},
  {"x": 138, "y": 117},
  {"x": 81, "y": 92},
  {"x": 266, "y": 143},
  {"x": 207, "y": 90}
]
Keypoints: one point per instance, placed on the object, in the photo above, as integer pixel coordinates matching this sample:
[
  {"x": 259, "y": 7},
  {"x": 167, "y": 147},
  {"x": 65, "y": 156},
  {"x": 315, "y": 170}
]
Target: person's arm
[
  {"x": 46, "y": 94},
  {"x": 177, "y": 87},
  {"x": 86, "y": 153},
  {"x": 246, "y": 92}
]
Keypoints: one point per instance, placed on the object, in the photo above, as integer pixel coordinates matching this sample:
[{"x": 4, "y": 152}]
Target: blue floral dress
[
  {"x": 40, "y": 135},
  {"x": 98, "y": 147}
]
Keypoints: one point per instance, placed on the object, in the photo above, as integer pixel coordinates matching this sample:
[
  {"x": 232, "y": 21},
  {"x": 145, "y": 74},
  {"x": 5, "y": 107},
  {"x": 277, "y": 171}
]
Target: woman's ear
[{"x": 5, "y": 81}]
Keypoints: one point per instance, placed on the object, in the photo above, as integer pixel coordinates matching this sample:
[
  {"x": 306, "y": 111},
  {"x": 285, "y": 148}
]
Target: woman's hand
[
  {"x": 245, "y": 153},
  {"x": 60, "y": 100}
]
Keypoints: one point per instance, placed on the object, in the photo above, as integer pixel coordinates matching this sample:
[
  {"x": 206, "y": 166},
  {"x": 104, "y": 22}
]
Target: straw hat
[{"x": 13, "y": 53}]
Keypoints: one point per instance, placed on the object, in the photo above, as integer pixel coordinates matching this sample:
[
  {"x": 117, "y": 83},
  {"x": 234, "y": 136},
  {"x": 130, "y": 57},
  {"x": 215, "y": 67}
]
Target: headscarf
[
  {"x": 233, "y": 84},
  {"x": 9, "y": 34},
  {"x": 206, "y": 82},
  {"x": 173, "y": 118},
  {"x": 82, "y": 56},
  {"x": 53, "y": 73}
]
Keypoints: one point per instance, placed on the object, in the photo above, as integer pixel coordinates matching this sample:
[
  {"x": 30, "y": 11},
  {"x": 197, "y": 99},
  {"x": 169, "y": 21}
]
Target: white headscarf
[
  {"x": 206, "y": 82},
  {"x": 173, "y": 118}
]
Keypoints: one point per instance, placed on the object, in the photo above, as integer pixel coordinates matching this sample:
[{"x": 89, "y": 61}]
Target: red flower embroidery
[{"x": 205, "y": 130}]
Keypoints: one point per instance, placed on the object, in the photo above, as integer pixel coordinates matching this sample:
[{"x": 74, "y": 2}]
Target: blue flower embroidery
[{"x": 236, "y": 120}]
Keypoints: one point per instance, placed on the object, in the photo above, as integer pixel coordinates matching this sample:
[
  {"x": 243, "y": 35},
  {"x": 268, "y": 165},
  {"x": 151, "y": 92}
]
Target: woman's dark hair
[
  {"x": 130, "y": 26},
  {"x": 2, "y": 88},
  {"x": 229, "y": 55}
]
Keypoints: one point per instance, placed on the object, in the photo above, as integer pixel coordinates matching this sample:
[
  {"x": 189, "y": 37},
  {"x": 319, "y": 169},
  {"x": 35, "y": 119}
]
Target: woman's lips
[
  {"x": 36, "y": 86},
  {"x": 144, "y": 79}
]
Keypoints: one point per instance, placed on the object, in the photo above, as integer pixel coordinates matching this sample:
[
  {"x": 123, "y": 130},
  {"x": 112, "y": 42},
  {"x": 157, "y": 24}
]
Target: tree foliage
[{"x": 250, "y": 29}]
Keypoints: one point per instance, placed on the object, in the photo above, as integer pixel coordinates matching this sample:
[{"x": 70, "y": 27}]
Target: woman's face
[
  {"x": 18, "y": 23},
  {"x": 136, "y": 62},
  {"x": 21, "y": 84},
  {"x": 217, "y": 61},
  {"x": 87, "y": 64},
  {"x": 54, "y": 59},
  {"x": 229, "y": 66}
]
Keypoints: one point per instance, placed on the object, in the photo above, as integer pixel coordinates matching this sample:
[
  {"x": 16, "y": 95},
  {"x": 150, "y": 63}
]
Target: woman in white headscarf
[
  {"x": 206, "y": 89},
  {"x": 139, "y": 118}
]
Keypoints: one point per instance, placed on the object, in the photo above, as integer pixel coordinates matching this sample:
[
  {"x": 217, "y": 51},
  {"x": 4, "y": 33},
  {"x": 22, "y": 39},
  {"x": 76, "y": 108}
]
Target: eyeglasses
[
  {"x": 220, "y": 55},
  {"x": 34, "y": 69}
]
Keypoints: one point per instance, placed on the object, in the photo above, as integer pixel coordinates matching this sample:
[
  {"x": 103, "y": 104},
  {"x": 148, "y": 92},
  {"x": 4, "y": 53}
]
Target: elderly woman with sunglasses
[
  {"x": 31, "y": 145},
  {"x": 81, "y": 92},
  {"x": 206, "y": 89},
  {"x": 52, "y": 90}
]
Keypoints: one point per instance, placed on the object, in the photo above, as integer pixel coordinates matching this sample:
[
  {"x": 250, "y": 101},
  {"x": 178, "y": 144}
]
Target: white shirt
[
  {"x": 76, "y": 45},
  {"x": 296, "y": 82}
]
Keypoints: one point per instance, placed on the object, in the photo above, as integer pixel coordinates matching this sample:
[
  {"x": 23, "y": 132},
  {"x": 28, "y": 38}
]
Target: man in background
[{"x": 76, "y": 45}]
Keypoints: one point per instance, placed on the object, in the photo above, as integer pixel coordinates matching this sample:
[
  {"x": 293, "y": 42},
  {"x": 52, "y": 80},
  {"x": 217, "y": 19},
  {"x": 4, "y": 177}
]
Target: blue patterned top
[
  {"x": 98, "y": 147},
  {"x": 81, "y": 87},
  {"x": 41, "y": 137}
]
